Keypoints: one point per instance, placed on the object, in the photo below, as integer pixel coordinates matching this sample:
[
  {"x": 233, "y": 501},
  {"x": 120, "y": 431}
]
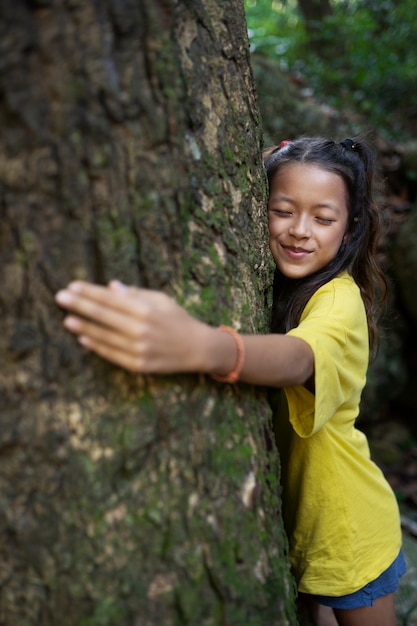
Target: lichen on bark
[{"x": 131, "y": 148}]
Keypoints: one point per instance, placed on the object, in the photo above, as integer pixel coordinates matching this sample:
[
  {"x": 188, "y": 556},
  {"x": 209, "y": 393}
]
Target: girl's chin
[{"x": 293, "y": 272}]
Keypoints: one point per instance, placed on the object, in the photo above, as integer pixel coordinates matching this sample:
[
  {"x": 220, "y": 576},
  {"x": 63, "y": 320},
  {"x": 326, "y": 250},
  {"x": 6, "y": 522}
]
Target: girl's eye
[
  {"x": 324, "y": 220},
  {"x": 280, "y": 212}
]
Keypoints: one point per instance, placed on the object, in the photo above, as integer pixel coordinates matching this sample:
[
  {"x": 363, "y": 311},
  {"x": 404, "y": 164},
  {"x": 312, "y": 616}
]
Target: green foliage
[
  {"x": 363, "y": 56},
  {"x": 275, "y": 29}
]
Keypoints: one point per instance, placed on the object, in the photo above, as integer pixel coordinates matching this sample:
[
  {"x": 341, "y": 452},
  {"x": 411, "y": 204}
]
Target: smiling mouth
[
  {"x": 296, "y": 250},
  {"x": 296, "y": 253}
]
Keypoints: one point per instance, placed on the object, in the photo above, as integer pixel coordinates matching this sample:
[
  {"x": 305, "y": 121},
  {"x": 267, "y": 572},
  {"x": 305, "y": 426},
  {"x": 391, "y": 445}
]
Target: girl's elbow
[
  {"x": 304, "y": 370},
  {"x": 307, "y": 375}
]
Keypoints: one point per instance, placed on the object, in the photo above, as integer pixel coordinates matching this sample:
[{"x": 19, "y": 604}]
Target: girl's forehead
[
  {"x": 309, "y": 183},
  {"x": 299, "y": 168},
  {"x": 306, "y": 174}
]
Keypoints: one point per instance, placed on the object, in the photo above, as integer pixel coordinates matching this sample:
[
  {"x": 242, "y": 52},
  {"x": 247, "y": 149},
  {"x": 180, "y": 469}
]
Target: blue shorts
[{"x": 386, "y": 583}]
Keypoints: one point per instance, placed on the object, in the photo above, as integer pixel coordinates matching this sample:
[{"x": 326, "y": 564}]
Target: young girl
[{"x": 340, "y": 514}]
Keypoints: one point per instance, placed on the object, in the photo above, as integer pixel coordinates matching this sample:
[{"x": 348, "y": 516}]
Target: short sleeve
[{"x": 334, "y": 326}]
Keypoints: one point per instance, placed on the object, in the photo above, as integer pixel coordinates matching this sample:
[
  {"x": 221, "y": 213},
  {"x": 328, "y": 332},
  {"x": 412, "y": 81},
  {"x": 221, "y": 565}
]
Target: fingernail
[
  {"x": 63, "y": 297},
  {"x": 75, "y": 286},
  {"x": 71, "y": 323},
  {"x": 84, "y": 341},
  {"x": 117, "y": 284}
]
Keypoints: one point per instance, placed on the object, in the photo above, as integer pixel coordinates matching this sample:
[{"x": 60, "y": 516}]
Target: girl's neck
[{"x": 290, "y": 296}]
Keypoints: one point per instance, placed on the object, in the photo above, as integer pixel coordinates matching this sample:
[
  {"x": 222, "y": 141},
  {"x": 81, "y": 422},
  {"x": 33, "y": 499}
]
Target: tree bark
[
  {"x": 314, "y": 13},
  {"x": 130, "y": 148}
]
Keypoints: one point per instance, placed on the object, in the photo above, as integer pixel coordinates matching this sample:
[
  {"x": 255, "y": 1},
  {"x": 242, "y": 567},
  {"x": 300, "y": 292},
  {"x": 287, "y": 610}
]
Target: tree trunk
[
  {"x": 315, "y": 13},
  {"x": 130, "y": 148}
]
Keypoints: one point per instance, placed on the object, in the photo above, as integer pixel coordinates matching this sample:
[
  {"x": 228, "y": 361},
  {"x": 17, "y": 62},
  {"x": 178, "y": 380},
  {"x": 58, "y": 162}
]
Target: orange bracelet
[{"x": 233, "y": 376}]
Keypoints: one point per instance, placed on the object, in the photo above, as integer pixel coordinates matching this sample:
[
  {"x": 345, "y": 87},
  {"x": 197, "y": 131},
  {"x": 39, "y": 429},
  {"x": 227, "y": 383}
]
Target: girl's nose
[{"x": 300, "y": 228}]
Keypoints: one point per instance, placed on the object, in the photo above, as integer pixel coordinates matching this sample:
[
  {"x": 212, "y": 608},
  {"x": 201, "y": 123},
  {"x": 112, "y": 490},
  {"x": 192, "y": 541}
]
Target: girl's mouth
[{"x": 296, "y": 253}]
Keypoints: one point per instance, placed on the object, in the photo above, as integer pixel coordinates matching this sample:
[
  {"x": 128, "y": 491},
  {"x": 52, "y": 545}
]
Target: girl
[{"x": 340, "y": 514}]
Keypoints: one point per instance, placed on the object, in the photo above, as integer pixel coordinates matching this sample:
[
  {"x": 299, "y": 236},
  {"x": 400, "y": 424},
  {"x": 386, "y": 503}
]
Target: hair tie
[
  {"x": 284, "y": 143},
  {"x": 348, "y": 143}
]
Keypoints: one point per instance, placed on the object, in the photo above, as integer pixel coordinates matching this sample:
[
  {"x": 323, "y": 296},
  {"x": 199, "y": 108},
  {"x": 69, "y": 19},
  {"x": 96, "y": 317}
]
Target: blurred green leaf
[{"x": 366, "y": 58}]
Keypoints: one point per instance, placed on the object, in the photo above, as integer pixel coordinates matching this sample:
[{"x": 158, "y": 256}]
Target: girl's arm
[{"x": 147, "y": 332}]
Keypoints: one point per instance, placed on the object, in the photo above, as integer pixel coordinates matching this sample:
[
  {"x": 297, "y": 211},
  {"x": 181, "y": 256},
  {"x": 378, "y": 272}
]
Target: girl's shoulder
[
  {"x": 339, "y": 286},
  {"x": 339, "y": 297}
]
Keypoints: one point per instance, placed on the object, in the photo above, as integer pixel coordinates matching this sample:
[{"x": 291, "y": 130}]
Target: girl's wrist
[
  {"x": 233, "y": 375},
  {"x": 219, "y": 352}
]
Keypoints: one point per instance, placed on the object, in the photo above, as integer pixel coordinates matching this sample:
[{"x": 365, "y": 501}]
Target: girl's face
[{"x": 307, "y": 216}]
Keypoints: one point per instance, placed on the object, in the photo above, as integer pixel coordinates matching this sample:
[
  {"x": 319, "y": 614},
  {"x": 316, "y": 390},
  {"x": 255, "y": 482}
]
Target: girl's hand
[
  {"x": 141, "y": 330},
  {"x": 147, "y": 332}
]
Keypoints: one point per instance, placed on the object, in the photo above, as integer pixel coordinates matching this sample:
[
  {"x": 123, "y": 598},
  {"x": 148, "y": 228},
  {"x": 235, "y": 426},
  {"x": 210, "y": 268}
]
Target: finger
[
  {"x": 77, "y": 291},
  {"x": 110, "y": 345},
  {"x": 148, "y": 297},
  {"x": 116, "y": 296},
  {"x": 101, "y": 314},
  {"x": 105, "y": 335},
  {"x": 125, "y": 360},
  {"x": 121, "y": 293}
]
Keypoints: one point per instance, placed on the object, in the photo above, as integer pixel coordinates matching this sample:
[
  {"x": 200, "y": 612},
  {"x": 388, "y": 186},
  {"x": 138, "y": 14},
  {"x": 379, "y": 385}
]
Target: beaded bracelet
[{"x": 233, "y": 376}]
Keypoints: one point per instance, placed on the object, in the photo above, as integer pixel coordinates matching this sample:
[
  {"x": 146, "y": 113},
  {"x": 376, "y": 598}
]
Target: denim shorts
[{"x": 386, "y": 583}]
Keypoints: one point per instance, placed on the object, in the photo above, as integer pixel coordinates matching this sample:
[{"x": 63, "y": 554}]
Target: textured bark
[
  {"x": 130, "y": 148},
  {"x": 314, "y": 13}
]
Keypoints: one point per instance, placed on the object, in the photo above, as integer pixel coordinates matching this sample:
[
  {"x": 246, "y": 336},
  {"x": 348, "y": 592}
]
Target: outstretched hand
[{"x": 141, "y": 330}]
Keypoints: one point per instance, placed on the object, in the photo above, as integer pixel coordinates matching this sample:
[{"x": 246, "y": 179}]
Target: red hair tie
[{"x": 284, "y": 143}]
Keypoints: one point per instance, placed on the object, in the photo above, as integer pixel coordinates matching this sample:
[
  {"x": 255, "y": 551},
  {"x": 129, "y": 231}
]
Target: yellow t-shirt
[{"x": 341, "y": 515}]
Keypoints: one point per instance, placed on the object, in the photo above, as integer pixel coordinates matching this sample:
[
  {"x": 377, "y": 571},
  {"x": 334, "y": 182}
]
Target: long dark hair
[{"x": 353, "y": 160}]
